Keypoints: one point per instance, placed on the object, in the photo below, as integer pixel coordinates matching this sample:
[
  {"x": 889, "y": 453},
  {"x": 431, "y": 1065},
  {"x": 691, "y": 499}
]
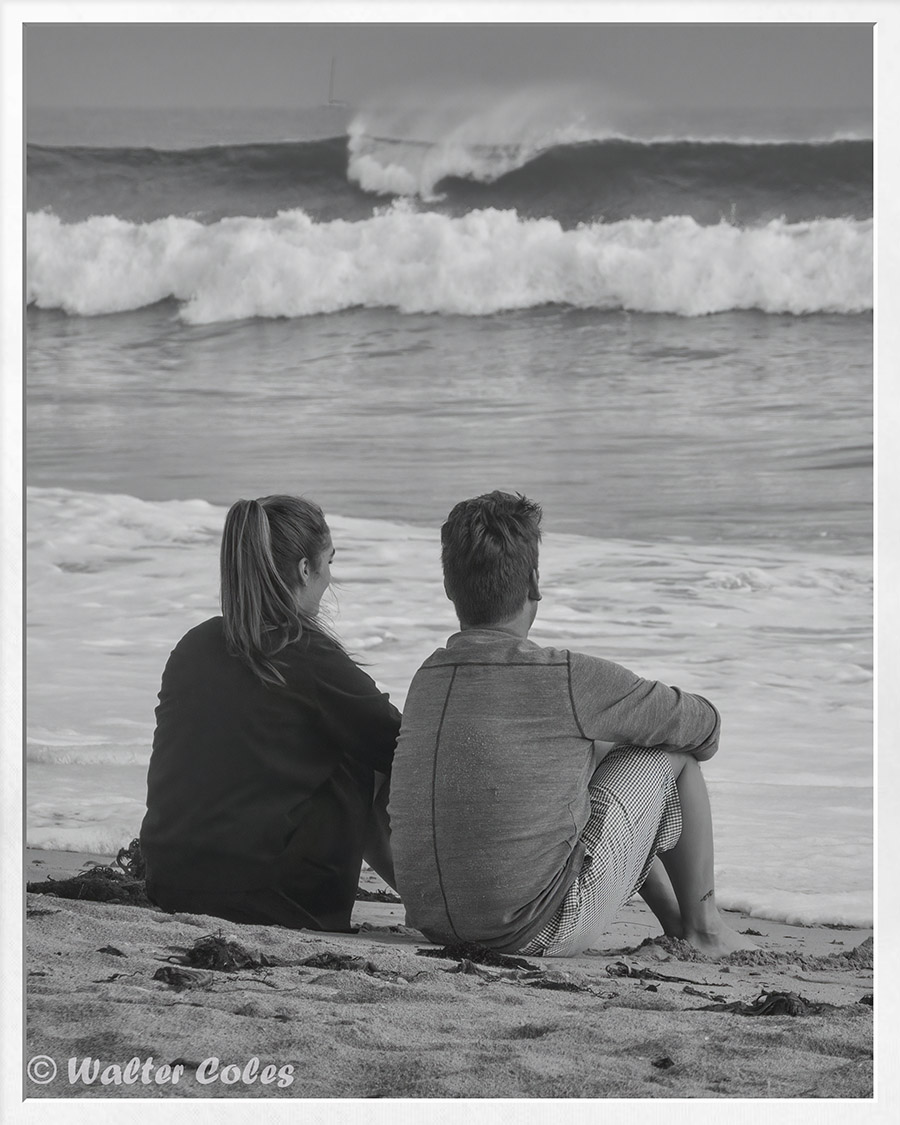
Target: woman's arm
[
  {"x": 377, "y": 850},
  {"x": 360, "y": 718}
]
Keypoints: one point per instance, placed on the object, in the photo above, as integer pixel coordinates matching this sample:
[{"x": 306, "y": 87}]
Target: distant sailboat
[{"x": 331, "y": 98}]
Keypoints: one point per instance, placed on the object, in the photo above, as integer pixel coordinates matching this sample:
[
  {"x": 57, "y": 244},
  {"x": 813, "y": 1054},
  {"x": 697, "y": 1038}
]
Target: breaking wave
[{"x": 481, "y": 263}]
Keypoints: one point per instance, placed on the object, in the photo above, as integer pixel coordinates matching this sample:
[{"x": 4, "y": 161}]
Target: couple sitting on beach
[{"x": 526, "y": 794}]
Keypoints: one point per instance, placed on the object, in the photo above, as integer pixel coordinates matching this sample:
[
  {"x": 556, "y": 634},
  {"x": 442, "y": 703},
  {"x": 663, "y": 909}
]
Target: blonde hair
[{"x": 262, "y": 544}]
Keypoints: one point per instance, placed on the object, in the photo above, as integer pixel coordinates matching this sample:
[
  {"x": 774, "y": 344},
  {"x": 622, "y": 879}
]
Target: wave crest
[
  {"x": 482, "y": 136},
  {"x": 409, "y": 151},
  {"x": 484, "y": 262}
]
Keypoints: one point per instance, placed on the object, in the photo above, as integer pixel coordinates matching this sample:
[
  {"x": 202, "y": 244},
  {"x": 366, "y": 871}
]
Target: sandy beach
[
  {"x": 371, "y": 1016},
  {"x": 623, "y": 267}
]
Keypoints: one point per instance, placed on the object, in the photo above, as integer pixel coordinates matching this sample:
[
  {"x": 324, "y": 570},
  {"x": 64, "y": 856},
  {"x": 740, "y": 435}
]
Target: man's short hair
[{"x": 489, "y": 548}]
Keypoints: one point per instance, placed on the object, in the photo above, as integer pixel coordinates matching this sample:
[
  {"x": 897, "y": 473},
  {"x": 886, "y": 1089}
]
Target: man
[{"x": 533, "y": 787}]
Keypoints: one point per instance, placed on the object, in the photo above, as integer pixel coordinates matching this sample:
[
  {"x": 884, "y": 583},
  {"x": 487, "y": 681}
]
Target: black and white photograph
[{"x": 447, "y": 453}]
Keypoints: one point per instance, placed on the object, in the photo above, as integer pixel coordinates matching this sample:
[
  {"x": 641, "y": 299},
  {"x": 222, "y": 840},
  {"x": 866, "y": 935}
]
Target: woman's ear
[{"x": 303, "y": 571}]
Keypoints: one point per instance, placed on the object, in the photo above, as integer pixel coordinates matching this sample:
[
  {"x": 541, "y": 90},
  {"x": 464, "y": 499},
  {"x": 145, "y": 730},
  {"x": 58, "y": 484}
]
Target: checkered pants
[{"x": 635, "y": 813}]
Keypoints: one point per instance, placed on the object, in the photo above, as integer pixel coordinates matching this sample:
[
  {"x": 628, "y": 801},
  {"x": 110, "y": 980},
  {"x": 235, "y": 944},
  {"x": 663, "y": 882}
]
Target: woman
[{"x": 270, "y": 743}]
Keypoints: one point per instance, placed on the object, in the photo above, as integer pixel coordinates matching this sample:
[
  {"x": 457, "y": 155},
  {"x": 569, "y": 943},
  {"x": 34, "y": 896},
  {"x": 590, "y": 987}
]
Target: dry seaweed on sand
[
  {"x": 114, "y": 977},
  {"x": 530, "y": 977},
  {"x": 124, "y": 884},
  {"x": 477, "y": 954},
  {"x": 181, "y": 979},
  {"x": 216, "y": 952},
  {"x": 560, "y": 986},
  {"x": 623, "y": 969},
  {"x": 363, "y": 894},
  {"x": 338, "y": 961},
  {"x": 97, "y": 884},
  {"x": 773, "y": 1004},
  {"x": 469, "y": 968},
  {"x": 691, "y": 991},
  {"x": 131, "y": 860},
  {"x": 470, "y": 958}
]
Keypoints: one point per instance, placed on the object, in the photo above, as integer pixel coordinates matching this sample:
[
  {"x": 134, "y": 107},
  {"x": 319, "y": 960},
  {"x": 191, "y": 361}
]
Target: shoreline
[
  {"x": 856, "y": 546},
  {"x": 625, "y": 1019},
  {"x": 635, "y": 918}
]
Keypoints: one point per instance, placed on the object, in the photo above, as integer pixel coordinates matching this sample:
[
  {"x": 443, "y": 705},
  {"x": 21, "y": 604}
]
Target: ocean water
[{"x": 660, "y": 329}]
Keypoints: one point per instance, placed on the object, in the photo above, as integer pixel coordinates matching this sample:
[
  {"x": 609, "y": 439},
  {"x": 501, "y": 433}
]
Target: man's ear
[
  {"x": 446, "y": 591},
  {"x": 534, "y": 589}
]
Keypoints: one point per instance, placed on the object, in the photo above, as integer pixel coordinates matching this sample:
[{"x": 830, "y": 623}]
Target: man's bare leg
[
  {"x": 658, "y": 894},
  {"x": 690, "y": 866}
]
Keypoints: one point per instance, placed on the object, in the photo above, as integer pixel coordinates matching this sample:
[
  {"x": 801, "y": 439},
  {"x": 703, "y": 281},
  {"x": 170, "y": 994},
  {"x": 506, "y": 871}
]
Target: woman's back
[{"x": 262, "y": 775}]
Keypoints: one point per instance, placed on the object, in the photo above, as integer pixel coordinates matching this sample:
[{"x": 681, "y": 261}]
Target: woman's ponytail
[{"x": 262, "y": 544}]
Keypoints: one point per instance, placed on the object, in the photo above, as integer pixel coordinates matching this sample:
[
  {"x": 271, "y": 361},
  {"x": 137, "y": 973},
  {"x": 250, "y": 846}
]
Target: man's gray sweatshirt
[{"x": 489, "y": 787}]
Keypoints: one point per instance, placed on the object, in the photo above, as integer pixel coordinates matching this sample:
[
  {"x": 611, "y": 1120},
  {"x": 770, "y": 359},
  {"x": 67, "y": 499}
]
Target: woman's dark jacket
[{"x": 252, "y": 786}]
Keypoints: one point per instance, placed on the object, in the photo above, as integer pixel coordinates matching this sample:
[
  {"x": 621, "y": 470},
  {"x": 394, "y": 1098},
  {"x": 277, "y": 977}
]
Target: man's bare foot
[{"x": 720, "y": 941}]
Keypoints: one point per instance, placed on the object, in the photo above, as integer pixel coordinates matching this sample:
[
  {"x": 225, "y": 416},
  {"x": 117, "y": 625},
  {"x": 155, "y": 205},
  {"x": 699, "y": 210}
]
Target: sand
[{"x": 397, "y": 1024}]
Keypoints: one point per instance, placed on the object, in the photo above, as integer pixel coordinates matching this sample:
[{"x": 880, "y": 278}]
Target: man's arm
[{"x": 614, "y": 705}]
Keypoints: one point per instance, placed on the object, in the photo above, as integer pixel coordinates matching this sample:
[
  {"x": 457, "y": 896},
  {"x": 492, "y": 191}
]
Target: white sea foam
[
  {"x": 800, "y": 908},
  {"x": 778, "y": 639},
  {"x": 396, "y": 166},
  {"x": 80, "y": 751},
  {"x": 481, "y": 263},
  {"x": 410, "y": 152},
  {"x": 406, "y": 146}
]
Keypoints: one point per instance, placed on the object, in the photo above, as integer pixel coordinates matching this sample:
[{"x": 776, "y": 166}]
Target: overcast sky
[{"x": 249, "y": 65}]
